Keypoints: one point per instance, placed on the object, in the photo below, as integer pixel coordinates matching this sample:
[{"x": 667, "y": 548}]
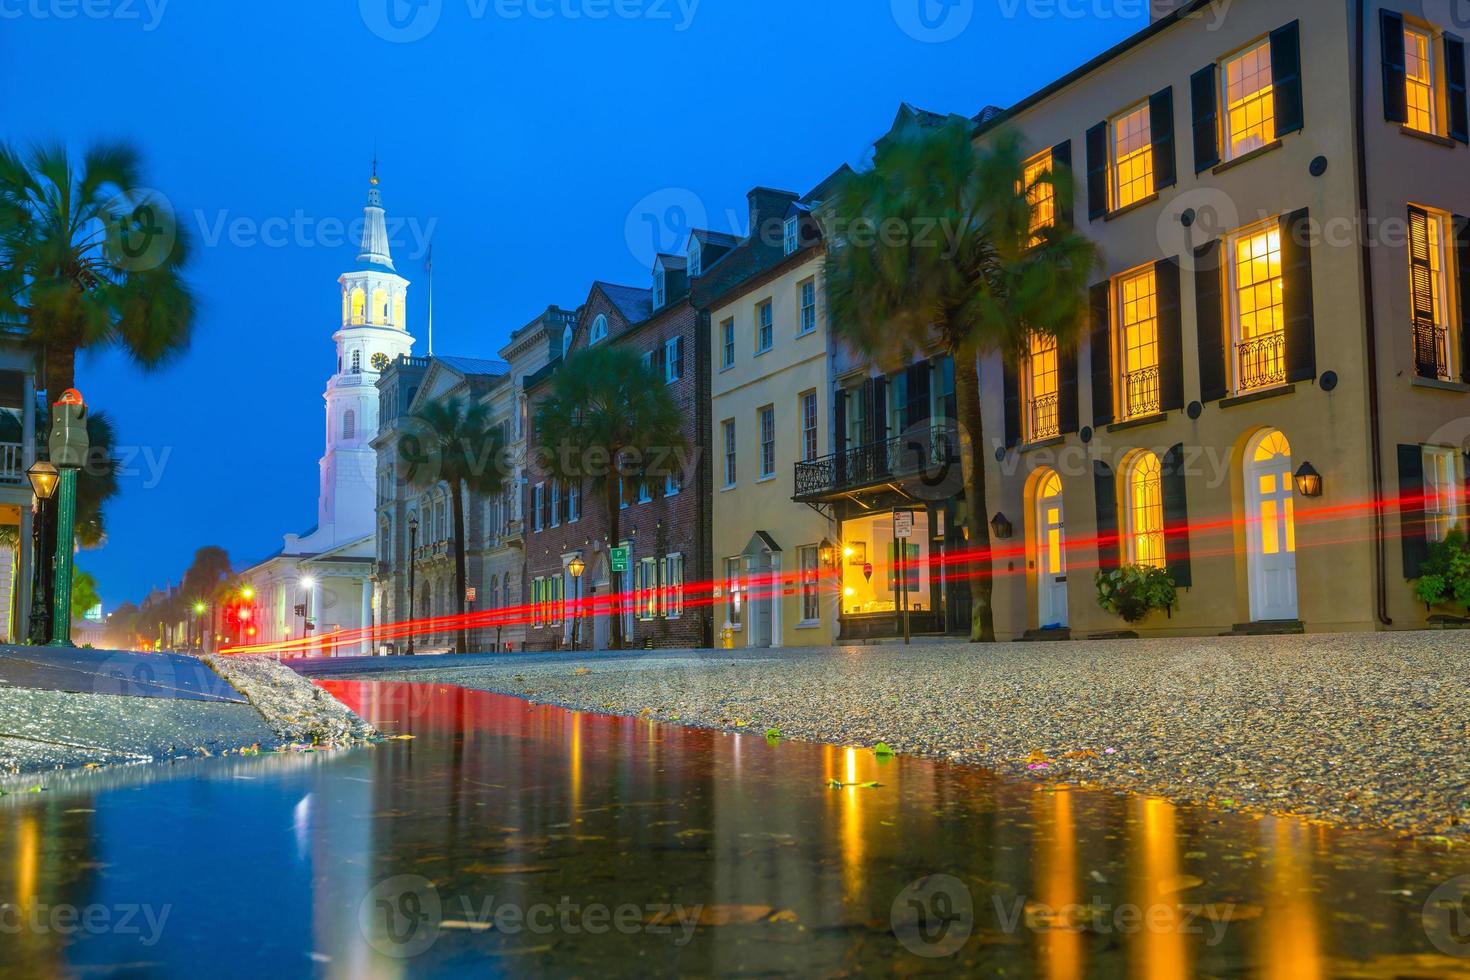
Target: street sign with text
[
  {"x": 618, "y": 558},
  {"x": 903, "y": 524}
]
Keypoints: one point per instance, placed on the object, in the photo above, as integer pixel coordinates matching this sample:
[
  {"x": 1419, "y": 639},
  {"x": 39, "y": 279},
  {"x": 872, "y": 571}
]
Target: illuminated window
[
  {"x": 811, "y": 607},
  {"x": 732, "y": 591},
  {"x": 646, "y": 589},
  {"x": 1442, "y": 493},
  {"x": 1277, "y": 495},
  {"x": 538, "y": 612},
  {"x": 400, "y": 318},
  {"x": 673, "y": 587},
  {"x": 1040, "y": 193},
  {"x": 1250, "y": 101},
  {"x": 1133, "y": 157},
  {"x": 809, "y": 426},
  {"x": 1138, "y": 340},
  {"x": 1419, "y": 80},
  {"x": 1429, "y": 293},
  {"x": 1041, "y": 371},
  {"x": 380, "y": 305},
  {"x": 1050, "y": 496},
  {"x": 359, "y": 306},
  {"x": 1257, "y": 317},
  {"x": 1145, "y": 511}
]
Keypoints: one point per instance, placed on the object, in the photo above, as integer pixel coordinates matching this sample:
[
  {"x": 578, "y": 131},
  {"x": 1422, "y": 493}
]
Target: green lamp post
[{"x": 69, "y": 444}]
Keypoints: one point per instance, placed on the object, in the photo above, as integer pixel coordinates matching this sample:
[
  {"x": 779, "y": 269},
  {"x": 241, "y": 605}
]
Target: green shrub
[
  {"x": 1134, "y": 591},
  {"x": 1444, "y": 577}
]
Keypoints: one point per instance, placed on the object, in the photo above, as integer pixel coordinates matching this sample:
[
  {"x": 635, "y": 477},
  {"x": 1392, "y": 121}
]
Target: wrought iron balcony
[
  {"x": 1431, "y": 351},
  {"x": 1141, "y": 393},
  {"x": 1261, "y": 361},
  {"x": 925, "y": 454},
  {"x": 1046, "y": 419}
]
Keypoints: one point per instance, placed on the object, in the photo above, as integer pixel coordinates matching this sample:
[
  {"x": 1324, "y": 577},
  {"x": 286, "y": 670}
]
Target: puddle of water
[{"x": 506, "y": 838}]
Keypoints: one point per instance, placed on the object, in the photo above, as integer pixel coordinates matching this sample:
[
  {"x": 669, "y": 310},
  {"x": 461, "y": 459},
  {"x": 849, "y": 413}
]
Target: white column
[
  {"x": 367, "y": 617},
  {"x": 313, "y": 611}
]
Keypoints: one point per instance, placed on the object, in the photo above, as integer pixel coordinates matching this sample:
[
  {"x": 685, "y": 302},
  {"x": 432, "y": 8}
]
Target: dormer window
[
  {"x": 695, "y": 268},
  {"x": 659, "y": 292},
  {"x": 599, "y": 329},
  {"x": 793, "y": 238}
]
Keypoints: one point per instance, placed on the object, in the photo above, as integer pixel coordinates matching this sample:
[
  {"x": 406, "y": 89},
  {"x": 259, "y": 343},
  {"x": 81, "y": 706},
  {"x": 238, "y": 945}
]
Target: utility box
[{"x": 69, "y": 441}]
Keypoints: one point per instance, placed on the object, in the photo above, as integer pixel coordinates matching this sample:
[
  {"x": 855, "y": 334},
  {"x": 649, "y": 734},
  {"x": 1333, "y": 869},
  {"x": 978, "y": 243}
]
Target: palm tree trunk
[
  {"x": 61, "y": 370},
  {"x": 972, "y": 465},
  {"x": 614, "y": 531},
  {"x": 457, "y": 505}
]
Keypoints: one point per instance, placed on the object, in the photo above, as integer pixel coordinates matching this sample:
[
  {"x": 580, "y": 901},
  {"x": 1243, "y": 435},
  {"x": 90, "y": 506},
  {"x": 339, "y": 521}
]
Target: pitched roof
[
  {"x": 633, "y": 303},
  {"x": 673, "y": 262},
  {"x": 706, "y": 237},
  {"x": 471, "y": 366}
]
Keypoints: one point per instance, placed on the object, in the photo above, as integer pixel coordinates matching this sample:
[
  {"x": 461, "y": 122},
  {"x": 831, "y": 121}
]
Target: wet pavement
[{"x": 506, "y": 838}]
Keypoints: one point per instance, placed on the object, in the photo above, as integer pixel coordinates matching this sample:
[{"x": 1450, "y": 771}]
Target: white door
[
  {"x": 1051, "y": 558},
  {"x": 759, "y": 599},
  {"x": 1271, "y": 528}
]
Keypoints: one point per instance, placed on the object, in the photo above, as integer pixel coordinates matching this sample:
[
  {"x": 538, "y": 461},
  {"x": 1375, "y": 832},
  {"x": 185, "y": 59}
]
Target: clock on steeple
[{"x": 379, "y": 362}]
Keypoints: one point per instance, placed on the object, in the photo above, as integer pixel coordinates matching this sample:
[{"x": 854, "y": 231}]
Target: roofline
[
  {"x": 1087, "y": 68},
  {"x": 750, "y": 284}
]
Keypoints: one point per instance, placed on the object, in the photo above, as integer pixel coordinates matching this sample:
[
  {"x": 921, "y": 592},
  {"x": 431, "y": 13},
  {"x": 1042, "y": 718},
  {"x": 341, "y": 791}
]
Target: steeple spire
[{"x": 375, "y": 250}]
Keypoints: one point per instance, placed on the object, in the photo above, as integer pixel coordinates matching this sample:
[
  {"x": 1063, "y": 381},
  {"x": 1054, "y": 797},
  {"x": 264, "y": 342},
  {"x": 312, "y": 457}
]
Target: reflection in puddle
[{"x": 514, "y": 839}]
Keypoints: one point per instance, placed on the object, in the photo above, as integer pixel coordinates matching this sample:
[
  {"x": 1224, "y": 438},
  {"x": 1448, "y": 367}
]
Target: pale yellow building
[{"x": 770, "y": 395}]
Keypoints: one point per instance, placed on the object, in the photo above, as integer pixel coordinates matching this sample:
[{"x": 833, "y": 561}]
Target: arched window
[
  {"x": 505, "y": 595},
  {"x": 400, "y": 316},
  {"x": 566, "y": 341},
  {"x": 349, "y": 424},
  {"x": 359, "y": 306},
  {"x": 1144, "y": 502},
  {"x": 380, "y": 305},
  {"x": 599, "y": 329}
]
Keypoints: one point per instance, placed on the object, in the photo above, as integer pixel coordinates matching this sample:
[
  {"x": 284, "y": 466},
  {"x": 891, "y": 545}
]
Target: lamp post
[
  {"x": 576, "y": 566},
  {"x": 413, "y": 537},
  {"x": 69, "y": 444},
  {"x": 199, "y": 610},
  {"x": 44, "y": 477}
]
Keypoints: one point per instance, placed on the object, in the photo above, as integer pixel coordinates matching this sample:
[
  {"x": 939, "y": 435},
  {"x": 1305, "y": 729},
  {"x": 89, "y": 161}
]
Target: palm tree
[
  {"x": 608, "y": 420},
  {"x": 90, "y": 258},
  {"x": 454, "y": 442},
  {"x": 981, "y": 281}
]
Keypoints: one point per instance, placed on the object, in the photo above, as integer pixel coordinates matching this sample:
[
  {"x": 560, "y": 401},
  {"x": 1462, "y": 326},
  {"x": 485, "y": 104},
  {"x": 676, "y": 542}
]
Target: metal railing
[
  {"x": 12, "y": 463},
  {"x": 1431, "y": 351},
  {"x": 917, "y": 454},
  {"x": 1046, "y": 420},
  {"x": 1261, "y": 361},
  {"x": 1141, "y": 393}
]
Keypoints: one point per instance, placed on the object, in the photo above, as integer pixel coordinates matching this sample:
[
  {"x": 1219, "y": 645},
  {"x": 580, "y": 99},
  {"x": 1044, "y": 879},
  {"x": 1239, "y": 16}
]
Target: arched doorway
[
  {"x": 1051, "y": 559},
  {"x": 763, "y": 591},
  {"x": 1270, "y": 527}
]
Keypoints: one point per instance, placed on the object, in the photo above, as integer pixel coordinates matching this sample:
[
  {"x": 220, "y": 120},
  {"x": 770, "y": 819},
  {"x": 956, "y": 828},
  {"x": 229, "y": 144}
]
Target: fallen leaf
[
  {"x": 581, "y": 671},
  {"x": 882, "y": 748},
  {"x": 467, "y": 926}
]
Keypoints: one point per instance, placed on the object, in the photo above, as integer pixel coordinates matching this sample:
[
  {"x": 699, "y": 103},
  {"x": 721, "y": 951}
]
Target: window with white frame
[
  {"x": 1138, "y": 344},
  {"x": 1443, "y": 478},
  {"x": 768, "y": 441},
  {"x": 658, "y": 289},
  {"x": 673, "y": 359},
  {"x": 599, "y": 329},
  {"x": 808, "y": 292},
  {"x": 811, "y": 604},
  {"x": 727, "y": 343},
  {"x": 574, "y": 502},
  {"x": 793, "y": 235},
  {"x": 1250, "y": 101},
  {"x": 1040, "y": 193},
  {"x": 555, "y": 503},
  {"x": 538, "y": 497},
  {"x": 765, "y": 335},
  {"x": 1429, "y": 293},
  {"x": 1133, "y": 157},
  {"x": 673, "y": 586},
  {"x": 809, "y": 426},
  {"x": 696, "y": 267},
  {"x": 645, "y": 589},
  {"x": 1421, "y": 99},
  {"x": 1144, "y": 510},
  {"x": 1257, "y": 310},
  {"x": 729, "y": 427},
  {"x": 1043, "y": 396},
  {"x": 734, "y": 601}
]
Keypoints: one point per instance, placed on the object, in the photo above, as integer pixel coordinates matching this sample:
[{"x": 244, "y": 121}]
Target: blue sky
[{"x": 526, "y": 137}]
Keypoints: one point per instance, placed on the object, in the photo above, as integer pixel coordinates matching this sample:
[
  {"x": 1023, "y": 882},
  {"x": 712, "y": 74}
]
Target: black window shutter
[
  {"x": 1067, "y": 387},
  {"x": 1102, "y": 354},
  {"x": 1206, "y": 119},
  {"x": 1411, "y": 510},
  {"x": 1176, "y": 518},
  {"x": 1011, "y": 383},
  {"x": 839, "y": 422},
  {"x": 870, "y": 429},
  {"x": 1462, "y": 267},
  {"x": 1109, "y": 552},
  {"x": 1296, "y": 275},
  {"x": 1161, "y": 128},
  {"x": 1097, "y": 171},
  {"x": 1454, "y": 73},
  {"x": 1286, "y": 77},
  {"x": 1171, "y": 343},
  {"x": 1421, "y": 295},
  {"x": 1061, "y": 168},
  {"x": 1210, "y": 321},
  {"x": 880, "y": 409},
  {"x": 1395, "y": 74},
  {"x": 678, "y": 357}
]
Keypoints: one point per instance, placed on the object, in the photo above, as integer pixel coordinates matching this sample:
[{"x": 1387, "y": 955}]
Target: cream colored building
[
  {"x": 771, "y": 399},
  {"x": 1248, "y": 329}
]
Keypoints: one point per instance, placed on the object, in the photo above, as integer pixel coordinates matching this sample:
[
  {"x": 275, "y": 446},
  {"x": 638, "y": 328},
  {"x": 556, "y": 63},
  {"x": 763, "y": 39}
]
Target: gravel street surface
[{"x": 1356, "y": 730}]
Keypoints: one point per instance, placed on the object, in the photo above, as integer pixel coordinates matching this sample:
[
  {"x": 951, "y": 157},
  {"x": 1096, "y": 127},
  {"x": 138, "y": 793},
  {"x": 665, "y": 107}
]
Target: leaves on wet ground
[
  {"x": 581, "y": 671},
  {"x": 507, "y": 869},
  {"x": 882, "y": 749}
]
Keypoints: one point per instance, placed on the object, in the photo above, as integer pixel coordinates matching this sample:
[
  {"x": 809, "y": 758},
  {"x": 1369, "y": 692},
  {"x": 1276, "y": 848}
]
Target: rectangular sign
[
  {"x": 471, "y": 594},
  {"x": 618, "y": 557},
  {"x": 903, "y": 524}
]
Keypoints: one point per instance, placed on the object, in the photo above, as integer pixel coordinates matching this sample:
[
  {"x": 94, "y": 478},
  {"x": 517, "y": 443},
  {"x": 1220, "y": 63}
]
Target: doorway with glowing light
[
  {"x": 1270, "y": 527},
  {"x": 1051, "y": 559}
]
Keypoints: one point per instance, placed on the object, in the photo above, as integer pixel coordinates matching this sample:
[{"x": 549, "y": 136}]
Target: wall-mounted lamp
[
  {"x": 826, "y": 553},
  {"x": 1001, "y": 527},
  {"x": 1308, "y": 481}
]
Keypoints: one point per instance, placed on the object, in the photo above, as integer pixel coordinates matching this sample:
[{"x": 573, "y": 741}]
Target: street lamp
[
  {"x": 44, "y": 478},
  {"x": 1309, "y": 481},
  {"x": 69, "y": 444},
  {"x": 199, "y": 610},
  {"x": 576, "y": 566},
  {"x": 1001, "y": 526},
  {"x": 413, "y": 537}
]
